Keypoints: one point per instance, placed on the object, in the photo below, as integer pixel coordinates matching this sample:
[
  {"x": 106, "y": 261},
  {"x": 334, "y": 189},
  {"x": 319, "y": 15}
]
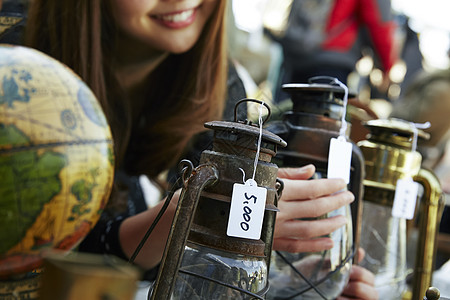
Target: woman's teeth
[{"x": 180, "y": 17}]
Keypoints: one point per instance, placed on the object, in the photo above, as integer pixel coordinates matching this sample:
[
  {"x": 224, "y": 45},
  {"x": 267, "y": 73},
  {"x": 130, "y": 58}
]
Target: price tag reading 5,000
[{"x": 247, "y": 210}]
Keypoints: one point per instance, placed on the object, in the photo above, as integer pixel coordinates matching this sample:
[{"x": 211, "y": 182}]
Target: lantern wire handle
[
  {"x": 187, "y": 168},
  {"x": 311, "y": 284},
  {"x": 236, "y": 288},
  {"x": 252, "y": 100}
]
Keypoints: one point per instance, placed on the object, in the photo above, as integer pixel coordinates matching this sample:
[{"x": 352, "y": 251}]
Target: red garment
[{"x": 348, "y": 16}]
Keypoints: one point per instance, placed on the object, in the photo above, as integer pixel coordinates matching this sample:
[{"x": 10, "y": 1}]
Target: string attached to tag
[
  {"x": 248, "y": 201},
  {"x": 260, "y": 122},
  {"x": 243, "y": 175},
  {"x": 252, "y": 181},
  {"x": 344, "y": 110},
  {"x": 414, "y": 127}
]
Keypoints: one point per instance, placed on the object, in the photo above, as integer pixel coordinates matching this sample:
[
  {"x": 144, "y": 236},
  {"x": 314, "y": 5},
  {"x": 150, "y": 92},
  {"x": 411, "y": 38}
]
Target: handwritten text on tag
[
  {"x": 405, "y": 198},
  {"x": 247, "y": 210}
]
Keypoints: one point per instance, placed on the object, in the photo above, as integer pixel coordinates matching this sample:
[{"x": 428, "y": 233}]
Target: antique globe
[{"x": 56, "y": 159}]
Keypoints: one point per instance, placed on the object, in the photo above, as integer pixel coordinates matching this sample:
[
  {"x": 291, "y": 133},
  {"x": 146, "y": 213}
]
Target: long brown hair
[{"x": 185, "y": 91}]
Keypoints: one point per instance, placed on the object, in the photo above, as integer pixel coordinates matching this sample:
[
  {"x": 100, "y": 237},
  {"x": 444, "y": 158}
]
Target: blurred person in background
[
  {"x": 408, "y": 65},
  {"x": 327, "y": 37}
]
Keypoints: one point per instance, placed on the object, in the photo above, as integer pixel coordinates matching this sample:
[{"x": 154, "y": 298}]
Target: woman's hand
[
  {"x": 134, "y": 228},
  {"x": 303, "y": 198},
  {"x": 361, "y": 285}
]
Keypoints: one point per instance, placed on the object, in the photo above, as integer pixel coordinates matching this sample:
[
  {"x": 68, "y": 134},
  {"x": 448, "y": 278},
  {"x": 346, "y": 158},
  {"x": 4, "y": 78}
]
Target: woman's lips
[{"x": 176, "y": 20}]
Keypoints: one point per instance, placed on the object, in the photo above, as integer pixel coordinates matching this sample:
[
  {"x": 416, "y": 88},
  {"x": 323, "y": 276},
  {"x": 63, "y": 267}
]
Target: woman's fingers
[
  {"x": 302, "y": 236},
  {"x": 302, "y": 173},
  {"x": 308, "y": 199},
  {"x": 303, "y": 245},
  {"x": 309, "y": 229},
  {"x": 313, "y": 207},
  {"x": 310, "y": 189},
  {"x": 361, "y": 274},
  {"x": 361, "y": 253},
  {"x": 359, "y": 290},
  {"x": 360, "y": 286}
]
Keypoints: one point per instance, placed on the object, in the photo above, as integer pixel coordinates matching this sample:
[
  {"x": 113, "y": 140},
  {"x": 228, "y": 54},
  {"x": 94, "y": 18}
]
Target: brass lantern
[
  {"x": 201, "y": 261},
  {"x": 389, "y": 156}
]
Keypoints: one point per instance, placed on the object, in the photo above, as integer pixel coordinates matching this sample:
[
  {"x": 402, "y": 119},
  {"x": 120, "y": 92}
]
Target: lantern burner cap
[
  {"x": 251, "y": 130},
  {"x": 295, "y": 88},
  {"x": 395, "y": 126}
]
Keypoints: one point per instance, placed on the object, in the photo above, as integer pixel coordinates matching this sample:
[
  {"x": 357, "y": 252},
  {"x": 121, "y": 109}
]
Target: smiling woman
[
  {"x": 135, "y": 56},
  {"x": 159, "y": 69}
]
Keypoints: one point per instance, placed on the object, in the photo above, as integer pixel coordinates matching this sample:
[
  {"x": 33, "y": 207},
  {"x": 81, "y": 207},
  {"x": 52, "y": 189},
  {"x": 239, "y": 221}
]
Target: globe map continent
[{"x": 56, "y": 158}]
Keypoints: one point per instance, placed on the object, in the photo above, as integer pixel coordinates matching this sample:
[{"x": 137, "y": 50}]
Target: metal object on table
[
  {"x": 87, "y": 276},
  {"x": 389, "y": 157},
  {"x": 24, "y": 287},
  {"x": 316, "y": 117},
  {"x": 200, "y": 260},
  {"x": 432, "y": 293}
]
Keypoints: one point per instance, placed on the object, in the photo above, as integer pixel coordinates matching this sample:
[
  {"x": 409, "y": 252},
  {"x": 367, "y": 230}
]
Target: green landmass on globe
[
  {"x": 56, "y": 158},
  {"x": 38, "y": 183}
]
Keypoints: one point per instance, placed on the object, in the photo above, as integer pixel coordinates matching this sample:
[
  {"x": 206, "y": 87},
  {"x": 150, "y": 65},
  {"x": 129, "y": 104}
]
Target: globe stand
[{"x": 24, "y": 288}]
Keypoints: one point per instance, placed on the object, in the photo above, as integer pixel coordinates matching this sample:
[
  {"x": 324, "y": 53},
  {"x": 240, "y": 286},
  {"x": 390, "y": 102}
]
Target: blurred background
[
  {"x": 422, "y": 39},
  {"x": 416, "y": 88}
]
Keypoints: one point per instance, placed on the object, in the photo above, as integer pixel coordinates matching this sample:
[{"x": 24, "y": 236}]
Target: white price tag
[
  {"x": 339, "y": 159},
  {"x": 405, "y": 198},
  {"x": 247, "y": 210}
]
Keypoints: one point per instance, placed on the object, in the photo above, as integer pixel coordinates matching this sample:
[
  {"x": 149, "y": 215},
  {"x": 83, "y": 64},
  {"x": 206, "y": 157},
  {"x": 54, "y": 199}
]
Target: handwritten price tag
[
  {"x": 405, "y": 198},
  {"x": 339, "y": 159},
  {"x": 247, "y": 210}
]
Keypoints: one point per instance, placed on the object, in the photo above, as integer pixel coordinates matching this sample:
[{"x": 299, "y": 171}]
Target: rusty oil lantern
[
  {"x": 316, "y": 117},
  {"x": 201, "y": 261}
]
